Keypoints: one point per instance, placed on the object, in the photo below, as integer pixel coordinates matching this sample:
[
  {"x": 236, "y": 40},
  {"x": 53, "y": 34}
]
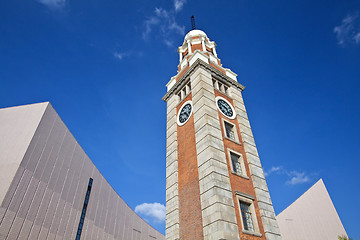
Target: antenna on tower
[{"x": 193, "y": 22}]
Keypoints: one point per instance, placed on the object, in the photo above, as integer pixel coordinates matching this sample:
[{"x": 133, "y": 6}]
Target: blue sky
[{"x": 104, "y": 64}]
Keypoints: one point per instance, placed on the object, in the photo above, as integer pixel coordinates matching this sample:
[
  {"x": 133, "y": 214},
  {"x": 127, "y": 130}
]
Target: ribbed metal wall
[{"x": 46, "y": 196}]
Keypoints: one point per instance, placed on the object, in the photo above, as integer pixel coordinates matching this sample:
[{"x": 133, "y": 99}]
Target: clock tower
[{"x": 215, "y": 185}]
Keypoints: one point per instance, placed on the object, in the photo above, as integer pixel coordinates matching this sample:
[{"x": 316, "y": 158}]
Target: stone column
[
  {"x": 172, "y": 192},
  {"x": 180, "y": 55},
  {"x": 271, "y": 229},
  {"x": 214, "y": 51},
  {"x": 203, "y": 44},
  {"x": 218, "y": 212}
]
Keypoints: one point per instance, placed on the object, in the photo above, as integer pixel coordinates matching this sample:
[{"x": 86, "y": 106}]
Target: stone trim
[
  {"x": 172, "y": 190},
  {"x": 245, "y": 195},
  {"x": 197, "y": 64},
  {"x": 218, "y": 211},
  {"x": 271, "y": 229}
]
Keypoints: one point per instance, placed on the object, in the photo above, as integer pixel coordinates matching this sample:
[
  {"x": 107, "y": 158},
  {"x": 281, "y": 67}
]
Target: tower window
[
  {"x": 220, "y": 86},
  {"x": 237, "y": 164},
  {"x": 225, "y": 89},
  {"x": 246, "y": 216},
  {"x": 235, "y": 160},
  {"x": 184, "y": 91},
  {"x": 229, "y": 131}
]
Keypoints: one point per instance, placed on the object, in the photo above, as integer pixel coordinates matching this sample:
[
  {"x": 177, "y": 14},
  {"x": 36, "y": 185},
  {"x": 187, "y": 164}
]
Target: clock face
[
  {"x": 225, "y": 107},
  {"x": 184, "y": 113}
]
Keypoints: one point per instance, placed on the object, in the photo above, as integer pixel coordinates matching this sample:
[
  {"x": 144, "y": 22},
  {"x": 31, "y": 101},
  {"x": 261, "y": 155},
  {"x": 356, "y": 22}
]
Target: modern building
[
  {"x": 312, "y": 216},
  {"x": 49, "y": 187},
  {"x": 215, "y": 185}
]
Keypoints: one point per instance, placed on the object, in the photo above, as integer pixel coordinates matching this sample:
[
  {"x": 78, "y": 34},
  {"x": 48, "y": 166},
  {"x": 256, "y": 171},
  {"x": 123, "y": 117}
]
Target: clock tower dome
[{"x": 215, "y": 185}]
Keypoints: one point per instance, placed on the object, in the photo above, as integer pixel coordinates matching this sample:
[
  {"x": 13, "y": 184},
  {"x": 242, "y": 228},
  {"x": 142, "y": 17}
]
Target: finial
[{"x": 193, "y": 22}]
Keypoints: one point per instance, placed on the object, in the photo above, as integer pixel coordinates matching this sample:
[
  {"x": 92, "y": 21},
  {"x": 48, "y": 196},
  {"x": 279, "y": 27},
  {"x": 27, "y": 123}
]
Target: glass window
[
  {"x": 235, "y": 160},
  {"x": 226, "y": 89},
  {"x": 229, "y": 130},
  {"x": 246, "y": 216},
  {"x": 220, "y": 86},
  {"x": 86, "y": 201}
]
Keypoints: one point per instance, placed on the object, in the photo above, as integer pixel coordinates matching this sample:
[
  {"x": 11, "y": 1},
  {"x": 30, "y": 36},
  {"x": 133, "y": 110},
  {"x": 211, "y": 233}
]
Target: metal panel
[
  {"x": 25, "y": 230},
  {"x": 29, "y": 195},
  {"x": 64, "y": 219},
  {"x": 44, "y": 200},
  {"x": 20, "y": 191},
  {"x": 34, "y": 232},
  {"x": 43, "y": 131},
  {"x": 14, "y": 184},
  {"x": 35, "y": 206},
  {"x": 51, "y": 210},
  {"x": 56, "y": 141},
  {"x": 15, "y": 228}
]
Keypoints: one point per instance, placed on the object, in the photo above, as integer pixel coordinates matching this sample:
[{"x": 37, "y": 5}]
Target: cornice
[{"x": 201, "y": 64}]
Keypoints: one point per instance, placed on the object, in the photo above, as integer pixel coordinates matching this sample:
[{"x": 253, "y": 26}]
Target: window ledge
[
  {"x": 252, "y": 233},
  {"x": 240, "y": 175},
  {"x": 232, "y": 140}
]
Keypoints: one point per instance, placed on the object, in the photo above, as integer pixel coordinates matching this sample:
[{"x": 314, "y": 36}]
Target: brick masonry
[
  {"x": 213, "y": 182},
  {"x": 189, "y": 190},
  {"x": 271, "y": 229},
  {"x": 239, "y": 183},
  {"x": 220, "y": 214}
]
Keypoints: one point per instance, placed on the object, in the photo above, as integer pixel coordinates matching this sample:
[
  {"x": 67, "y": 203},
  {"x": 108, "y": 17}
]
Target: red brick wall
[
  {"x": 213, "y": 65},
  {"x": 239, "y": 183},
  {"x": 182, "y": 73},
  {"x": 189, "y": 190},
  {"x": 196, "y": 47}
]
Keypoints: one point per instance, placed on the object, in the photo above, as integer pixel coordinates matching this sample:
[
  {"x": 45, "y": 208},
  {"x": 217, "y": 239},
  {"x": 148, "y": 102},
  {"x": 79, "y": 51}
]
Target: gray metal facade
[{"x": 46, "y": 196}]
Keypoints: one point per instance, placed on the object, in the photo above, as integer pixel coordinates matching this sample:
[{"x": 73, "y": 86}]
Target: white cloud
[
  {"x": 273, "y": 170},
  {"x": 53, "y": 4},
  {"x": 297, "y": 178},
  {"x": 357, "y": 37},
  {"x": 349, "y": 30},
  {"x": 163, "y": 22},
  {"x": 119, "y": 55},
  {"x": 155, "y": 211},
  {"x": 177, "y": 28},
  {"x": 149, "y": 23},
  {"x": 178, "y": 4},
  {"x": 168, "y": 43},
  {"x": 162, "y": 13}
]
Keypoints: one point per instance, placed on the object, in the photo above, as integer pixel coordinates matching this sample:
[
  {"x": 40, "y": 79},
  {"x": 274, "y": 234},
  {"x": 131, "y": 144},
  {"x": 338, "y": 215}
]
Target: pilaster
[
  {"x": 217, "y": 206},
  {"x": 172, "y": 192},
  {"x": 271, "y": 229}
]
